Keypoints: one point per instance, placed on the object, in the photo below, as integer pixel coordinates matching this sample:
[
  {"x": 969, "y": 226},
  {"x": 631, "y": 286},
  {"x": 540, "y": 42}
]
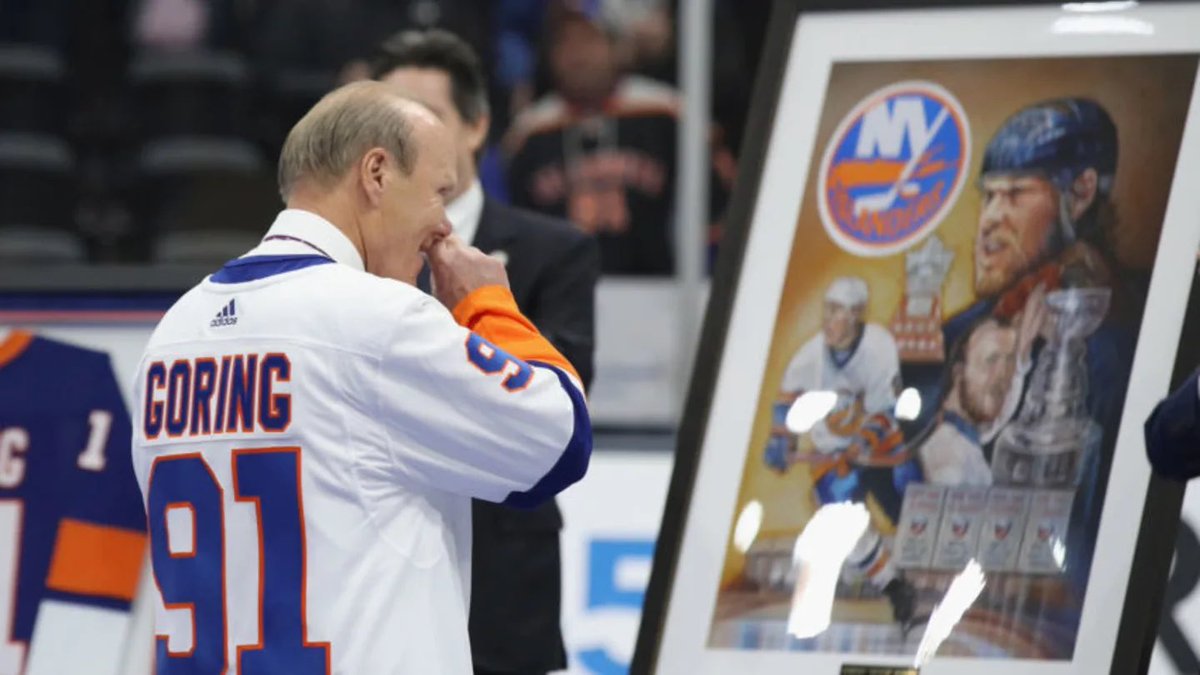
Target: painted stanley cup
[{"x": 1052, "y": 438}]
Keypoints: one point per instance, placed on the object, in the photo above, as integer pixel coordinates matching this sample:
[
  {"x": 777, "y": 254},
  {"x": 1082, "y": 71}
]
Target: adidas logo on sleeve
[{"x": 226, "y": 317}]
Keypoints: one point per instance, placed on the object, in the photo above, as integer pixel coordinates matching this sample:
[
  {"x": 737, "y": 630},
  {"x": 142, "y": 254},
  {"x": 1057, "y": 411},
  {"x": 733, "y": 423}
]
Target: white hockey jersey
[
  {"x": 952, "y": 454},
  {"x": 307, "y": 439},
  {"x": 866, "y": 379}
]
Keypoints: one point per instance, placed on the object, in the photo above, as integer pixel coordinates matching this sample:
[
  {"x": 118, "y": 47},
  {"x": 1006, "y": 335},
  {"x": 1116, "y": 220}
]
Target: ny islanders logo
[{"x": 893, "y": 168}]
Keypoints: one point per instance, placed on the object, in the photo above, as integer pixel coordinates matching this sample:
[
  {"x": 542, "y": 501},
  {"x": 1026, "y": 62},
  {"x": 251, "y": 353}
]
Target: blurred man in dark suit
[
  {"x": 1172, "y": 431},
  {"x": 552, "y": 268}
]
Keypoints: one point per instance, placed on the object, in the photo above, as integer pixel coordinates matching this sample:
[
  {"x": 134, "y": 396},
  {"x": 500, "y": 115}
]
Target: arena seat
[
  {"x": 37, "y": 181},
  {"x": 203, "y": 186},
  {"x": 32, "y": 89},
  {"x": 40, "y": 245},
  {"x": 190, "y": 93}
]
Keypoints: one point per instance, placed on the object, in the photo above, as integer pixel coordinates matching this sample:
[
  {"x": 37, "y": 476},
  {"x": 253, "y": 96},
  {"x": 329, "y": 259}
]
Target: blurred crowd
[{"x": 147, "y": 130}]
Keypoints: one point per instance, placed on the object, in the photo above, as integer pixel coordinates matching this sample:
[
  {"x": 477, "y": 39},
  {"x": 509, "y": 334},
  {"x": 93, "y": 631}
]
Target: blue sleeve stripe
[
  {"x": 87, "y": 600},
  {"x": 573, "y": 463},
  {"x": 1173, "y": 433}
]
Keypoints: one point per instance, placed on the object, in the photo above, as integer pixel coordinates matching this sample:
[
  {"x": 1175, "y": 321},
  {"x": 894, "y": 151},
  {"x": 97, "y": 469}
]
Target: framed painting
[{"x": 962, "y": 248}]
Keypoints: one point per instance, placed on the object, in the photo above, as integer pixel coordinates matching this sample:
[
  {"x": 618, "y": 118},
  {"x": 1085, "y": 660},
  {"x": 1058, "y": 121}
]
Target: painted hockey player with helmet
[
  {"x": 845, "y": 381},
  {"x": 1046, "y": 179},
  {"x": 1045, "y": 221}
]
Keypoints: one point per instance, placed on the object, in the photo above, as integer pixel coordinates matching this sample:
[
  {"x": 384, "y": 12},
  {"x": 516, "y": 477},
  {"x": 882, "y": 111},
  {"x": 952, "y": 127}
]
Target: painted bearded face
[
  {"x": 987, "y": 371},
  {"x": 1016, "y": 223}
]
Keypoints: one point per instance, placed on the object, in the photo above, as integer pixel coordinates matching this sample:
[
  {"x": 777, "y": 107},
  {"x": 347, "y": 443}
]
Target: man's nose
[{"x": 991, "y": 215}]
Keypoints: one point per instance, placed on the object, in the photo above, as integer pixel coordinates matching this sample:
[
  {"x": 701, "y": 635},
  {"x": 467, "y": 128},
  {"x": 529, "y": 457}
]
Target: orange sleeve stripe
[
  {"x": 97, "y": 560},
  {"x": 491, "y": 312},
  {"x": 16, "y": 343}
]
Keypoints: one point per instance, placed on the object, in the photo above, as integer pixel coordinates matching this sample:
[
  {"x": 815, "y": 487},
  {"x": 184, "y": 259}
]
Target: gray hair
[{"x": 340, "y": 129}]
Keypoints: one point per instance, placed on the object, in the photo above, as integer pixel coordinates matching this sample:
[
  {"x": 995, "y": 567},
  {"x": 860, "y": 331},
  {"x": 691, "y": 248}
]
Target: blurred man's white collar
[
  {"x": 464, "y": 212},
  {"x": 299, "y": 232}
]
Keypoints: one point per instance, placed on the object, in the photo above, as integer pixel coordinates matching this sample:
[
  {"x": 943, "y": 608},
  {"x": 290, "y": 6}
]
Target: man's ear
[
  {"x": 477, "y": 132},
  {"x": 372, "y": 172},
  {"x": 1083, "y": 192}
]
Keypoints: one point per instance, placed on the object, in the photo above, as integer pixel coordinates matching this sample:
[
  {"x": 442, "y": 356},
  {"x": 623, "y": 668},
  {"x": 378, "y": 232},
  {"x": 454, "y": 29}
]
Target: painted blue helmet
[{"x": 1061, "y": 139}]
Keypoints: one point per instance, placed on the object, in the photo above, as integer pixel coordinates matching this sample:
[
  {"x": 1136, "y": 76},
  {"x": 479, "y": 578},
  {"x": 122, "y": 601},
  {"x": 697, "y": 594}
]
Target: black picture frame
[{"x": 1138, "y": 627}]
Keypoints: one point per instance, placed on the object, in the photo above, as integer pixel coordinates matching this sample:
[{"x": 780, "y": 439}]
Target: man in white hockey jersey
[
  {"x": 854, "y": 364},
  {"x": 310, "y": 426},
  {"x": 857, "y": 447}
]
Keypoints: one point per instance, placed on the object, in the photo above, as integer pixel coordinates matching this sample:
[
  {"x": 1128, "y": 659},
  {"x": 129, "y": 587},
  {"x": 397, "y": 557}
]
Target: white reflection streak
[
  {"x": 748, "y": 522},
  {"x": 1092, "y": 7},
  {"x": 962, "y": 592},
  {"x": 820, "y": 551},
  {"x": 1102, "y": 24},
  {"x": 810, "y": 408},
  {"x": 908, "y": 405},
  {"x": 1059, "y": 551}
]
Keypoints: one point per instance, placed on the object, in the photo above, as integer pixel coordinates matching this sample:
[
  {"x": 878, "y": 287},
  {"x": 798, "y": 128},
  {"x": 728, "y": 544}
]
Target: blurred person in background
[
  {"x": 519, "y": 28},
  {"x": 552, "y": 271},
  {"x": 182, "y": 25},
  {"x": 599, "y": 149},
  {"x": 648, "y": 45},
  {"x": 648, "y": 31}
]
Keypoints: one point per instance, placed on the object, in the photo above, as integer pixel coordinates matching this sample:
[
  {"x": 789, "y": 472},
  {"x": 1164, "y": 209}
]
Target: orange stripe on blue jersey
[
  {"x": 14, "y": 346},
  {"x": 491, "y": 312},
  {"x": 96, "y": 560}
]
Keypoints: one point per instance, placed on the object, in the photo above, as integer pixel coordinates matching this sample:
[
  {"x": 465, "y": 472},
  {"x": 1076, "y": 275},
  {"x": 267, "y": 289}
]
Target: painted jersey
[
  {"x": 72, "y": 529},
  {"x": 952, "y": 454},
  {"x": 866, "y": 382},
  {"x": 308, "y": 439}
]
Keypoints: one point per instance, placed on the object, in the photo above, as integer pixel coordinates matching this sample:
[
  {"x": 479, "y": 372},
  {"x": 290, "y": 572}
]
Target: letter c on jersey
[{"x": 13, "y": 441}]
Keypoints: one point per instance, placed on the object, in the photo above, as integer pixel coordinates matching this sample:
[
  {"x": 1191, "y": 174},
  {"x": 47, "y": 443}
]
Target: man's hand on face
[{"x": 457, "y": 269}]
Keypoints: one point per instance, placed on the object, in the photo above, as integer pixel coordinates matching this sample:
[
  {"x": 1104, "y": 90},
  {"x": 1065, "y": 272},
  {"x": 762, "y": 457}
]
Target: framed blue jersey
[{"x": 72, "y": 525}]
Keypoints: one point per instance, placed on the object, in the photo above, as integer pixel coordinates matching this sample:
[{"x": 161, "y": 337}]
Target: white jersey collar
[{"x": 303, "y": 232}]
